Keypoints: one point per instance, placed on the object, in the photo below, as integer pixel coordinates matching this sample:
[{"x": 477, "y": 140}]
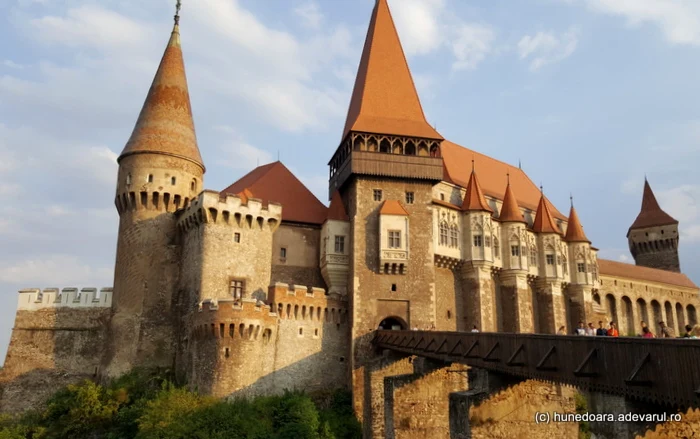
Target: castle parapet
[
  {"x": 307, "y": 303},
  {"x": 32, "y": 299},
  {"x": 214, "y": 207}
]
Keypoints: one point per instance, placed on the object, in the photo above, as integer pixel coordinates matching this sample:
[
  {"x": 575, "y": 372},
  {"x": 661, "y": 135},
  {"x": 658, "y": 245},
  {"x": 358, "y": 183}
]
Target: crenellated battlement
[
  {"x": 298, "y": 302},
  {"x": 32, "y": 299},
  {"x": 214, "y": 207},
  {"x": 150, "y": 200}
]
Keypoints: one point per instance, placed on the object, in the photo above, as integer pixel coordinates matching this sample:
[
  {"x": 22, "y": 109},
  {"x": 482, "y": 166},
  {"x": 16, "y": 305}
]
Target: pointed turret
[
  {"x": 574, "y": 230},
  {"x": 651, "y": 214},
  {"x": 510, "y": 211},
  {"x": 165, "y": 125},
  {"x": 385, "y": 100},
  {"x": 544, "y": 223},
  {"x": 474, "y": 198}
]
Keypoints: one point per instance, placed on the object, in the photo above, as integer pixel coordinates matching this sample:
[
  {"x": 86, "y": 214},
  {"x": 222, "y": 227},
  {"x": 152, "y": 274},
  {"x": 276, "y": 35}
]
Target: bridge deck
[{"x": 660, "y": 371}]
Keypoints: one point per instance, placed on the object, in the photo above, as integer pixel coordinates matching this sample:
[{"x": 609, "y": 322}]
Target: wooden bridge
[{"x": 659, "y": 371}]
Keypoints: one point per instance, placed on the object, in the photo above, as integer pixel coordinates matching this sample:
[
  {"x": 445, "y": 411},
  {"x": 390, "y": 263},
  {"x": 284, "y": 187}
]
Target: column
[
  {"x": 517, "y": 302},
  {"x": 479, "y": 292},
  {"x": 551, "y": 303}
]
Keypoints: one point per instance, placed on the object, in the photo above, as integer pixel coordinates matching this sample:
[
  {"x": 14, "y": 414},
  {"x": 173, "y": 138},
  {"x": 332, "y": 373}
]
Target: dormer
[
  {"x": 548, "y": 242},
  {"x": 478, "y": 230},
  {"x": 393, "y": 238},
  {"x": 335, "y": 246},
  {"x": 583, "y": 270}
]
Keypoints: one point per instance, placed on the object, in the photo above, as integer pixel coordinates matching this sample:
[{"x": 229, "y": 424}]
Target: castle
[{"x": 260, "y": 287}]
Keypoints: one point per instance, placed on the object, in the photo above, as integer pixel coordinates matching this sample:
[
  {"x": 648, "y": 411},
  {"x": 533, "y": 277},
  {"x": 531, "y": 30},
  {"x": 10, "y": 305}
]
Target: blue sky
[{"x": 590, "y": 95}]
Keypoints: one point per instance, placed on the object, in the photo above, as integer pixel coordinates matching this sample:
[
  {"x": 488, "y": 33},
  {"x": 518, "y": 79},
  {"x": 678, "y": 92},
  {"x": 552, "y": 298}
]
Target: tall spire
[
  {"x": 510, "y": 211},
  {"x": 544, "y": 223},
  {"x": 385, "y": 100},
  {"x": 574, "y": 229},
  {"x": 474, "y": 197},
  {"x": 165, "y": 125},
  {"x": 651, "y": 214}
]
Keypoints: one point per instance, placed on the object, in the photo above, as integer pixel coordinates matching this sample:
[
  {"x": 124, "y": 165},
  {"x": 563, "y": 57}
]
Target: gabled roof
[
  {"x": 510, "y": 211},
  {"x": 165, "y": 124},
  {"x": 392, "y": 207},
  {"x": 275, "y": 183},
  {"x": 651, "y": 214},
  {"x": 620, "y": 269},
  {"x": 336, "y": 210},
  {"x": 491, "y": 176},
  {"x": 574, "y": 229},
  {"x": 474, "y": 198},
  {"x": 544, "y": 223},
  {"x": 384, "y": 99}
]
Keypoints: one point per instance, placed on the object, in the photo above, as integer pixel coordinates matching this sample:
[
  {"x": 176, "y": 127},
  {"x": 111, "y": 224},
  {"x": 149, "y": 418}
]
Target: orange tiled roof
[
  {"x": 544, "y": 223},
  {"x": 474, "y": 197},
  {"x": 384, "y": 99},
  {"x": 336, "y": 211},
  {"x": 491, "y": 173},
  {"x": 165, "y": 124},
  {"x": 510, "y": 211},
  {"x": 275, "y": 183},
  {"x": 620, "y": 269},
  {"x": 651, "y": 214},
  {"x": 574, "y": 230},
  {"x": 392, "y": 207}
]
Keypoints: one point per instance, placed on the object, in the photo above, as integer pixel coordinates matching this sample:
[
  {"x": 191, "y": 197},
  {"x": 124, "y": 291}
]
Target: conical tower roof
[
  {"x": 651, "y": 214},
  {"x": 385, "y": 99},
  {"x": 510, "y": 211},
  {"x": 474, "y": 197},
  {"x": 574, "y": 229},
  {"x": 336, "y": 210},
  {"x": 165, "y": 125},
  {"x": 544, "y": 223}
]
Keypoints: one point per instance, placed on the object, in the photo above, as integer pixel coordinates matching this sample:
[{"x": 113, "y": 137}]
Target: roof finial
[
  {"x": 520, "y": 165},
  {"x": 571, "y": 198},
  {"x": 178, "y": 6},
  {"x": 508, "y": 177},
  {"x": 645, "y": 177},
  {"x": 541, "y": 189},
  {"x": 473, "y": 166},
  {"x": 278, "y": 155}
]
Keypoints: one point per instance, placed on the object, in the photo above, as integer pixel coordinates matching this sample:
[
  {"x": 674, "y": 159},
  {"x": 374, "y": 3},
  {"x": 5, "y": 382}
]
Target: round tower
[
  {"x": 653, "y": 237},
  {"x": 160, "y": 171}
]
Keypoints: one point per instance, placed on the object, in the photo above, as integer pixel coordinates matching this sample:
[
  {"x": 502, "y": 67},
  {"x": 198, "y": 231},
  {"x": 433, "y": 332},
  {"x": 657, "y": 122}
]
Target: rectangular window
[
  {"x": 478, "y": 241},
  {"x": 283, "y": 253},
  {"x": 236, "y": 237},
  {"x": 454, "y": 236},
  {"x": 515, "y": 250},
  {"x": 236, "y": 288},
  {"x": 550, "y": 259},
  {"x": 340, "y": 244},
  {"x": 558, "y": 260},
  {"x": 533, "y": 257},
  {"x": 377, "y": 195},
  {"x": 487, "y": 241},
  {"x": 409, "y": 197},
  {"x": 581, "y": 267},
  {"x": 443, "y": 233},
  {"x": 394, "y": 239}
]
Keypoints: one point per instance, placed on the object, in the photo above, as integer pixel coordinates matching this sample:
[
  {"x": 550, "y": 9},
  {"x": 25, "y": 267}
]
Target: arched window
[
  {"x": 193, "y": 185},
  {"x": 128, "y": 178},
  {"x": 443, "y": 233},
  {"x": 533, "y": 256},
  {"x": 454, "y": 236}
]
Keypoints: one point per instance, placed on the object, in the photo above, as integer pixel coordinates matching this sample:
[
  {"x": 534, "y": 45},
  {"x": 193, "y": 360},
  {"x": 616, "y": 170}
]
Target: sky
[{"x": 589, "y": 95}]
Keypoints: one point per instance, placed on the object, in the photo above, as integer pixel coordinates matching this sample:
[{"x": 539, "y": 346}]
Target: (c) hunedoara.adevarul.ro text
[{"x": 547, "y": 417}]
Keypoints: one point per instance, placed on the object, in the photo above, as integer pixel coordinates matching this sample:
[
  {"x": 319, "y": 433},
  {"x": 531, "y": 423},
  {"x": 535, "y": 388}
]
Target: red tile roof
[
  {"x": 392, "y": 207},
  {"x": 620, "y": 269},
  {"x": 544, "y": 223},
  {"x": 275, "y": 183},
  {"x": 384, "y": 99},
  {"x": 491, "y": 173},
  {"x": 574, "y": 230},
  {"x": 474, "y": 197},
  {"x": 651, "y": 214},
  {"x": 336, "y": 211},
  {"x": 510, "y": 211},
  {"x": 165, "y": 124}
]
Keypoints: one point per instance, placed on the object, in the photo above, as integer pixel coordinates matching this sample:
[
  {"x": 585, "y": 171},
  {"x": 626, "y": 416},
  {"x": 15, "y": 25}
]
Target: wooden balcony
[{"x": 380, "y": 164}]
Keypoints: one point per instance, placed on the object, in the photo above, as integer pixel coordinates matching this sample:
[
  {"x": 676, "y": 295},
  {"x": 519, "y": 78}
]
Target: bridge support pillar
[
  {"x": 479, "y": 294},
  {"x": 517, "y": 302},
  {"x": 461, "y": 402},
  {"x": 619, "y": 405},
  {"x": 552, "y": 312}
]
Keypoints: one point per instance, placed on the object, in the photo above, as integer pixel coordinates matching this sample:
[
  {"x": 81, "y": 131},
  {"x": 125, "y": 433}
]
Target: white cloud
[
  {"x": 678, "y": 20},
  {"x": 624, "y": 258},
  {"x": 683, "y": 203},
  {"x": 238, "y": 154},
  {"x": 57, "y": 270},
  {"x": 470, "y": 45},
  {"x": 310, "y": 14},
  {"x": 547, "y": 47},
  {"x": 11, "y": 64}
]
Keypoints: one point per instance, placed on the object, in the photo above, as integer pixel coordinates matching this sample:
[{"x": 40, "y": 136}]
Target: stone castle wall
[{"x": 299, "y": 266}]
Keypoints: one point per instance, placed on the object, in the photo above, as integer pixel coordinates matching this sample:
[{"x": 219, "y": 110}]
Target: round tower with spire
[
  {"x": 160, "y": 171},
  {"x": 653, "y": 237}
]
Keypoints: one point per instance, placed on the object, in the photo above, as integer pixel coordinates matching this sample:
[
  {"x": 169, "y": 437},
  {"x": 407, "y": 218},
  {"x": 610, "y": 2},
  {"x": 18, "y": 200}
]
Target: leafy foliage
[{"x": 147, "y": 405}]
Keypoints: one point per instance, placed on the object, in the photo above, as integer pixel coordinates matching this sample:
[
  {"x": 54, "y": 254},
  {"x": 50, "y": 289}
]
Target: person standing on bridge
[
  {"x": 601, "y": 332},
  {"x": 562, "y": 330},
  {"x": 613, "y": 332},
  {"x": 581, "y": 330},
  {"x": 688, "y": 330},
  {"x": 666, "y": 332},
  {"x": 590, "y": 331},
  {"x": 695, "y": 332},
  {"x": 646, "y": 333},
  {"x": 475, "y": 329}
]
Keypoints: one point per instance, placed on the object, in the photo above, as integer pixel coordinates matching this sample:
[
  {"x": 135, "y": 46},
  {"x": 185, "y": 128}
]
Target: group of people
[{"x": 612, "y": 331}]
